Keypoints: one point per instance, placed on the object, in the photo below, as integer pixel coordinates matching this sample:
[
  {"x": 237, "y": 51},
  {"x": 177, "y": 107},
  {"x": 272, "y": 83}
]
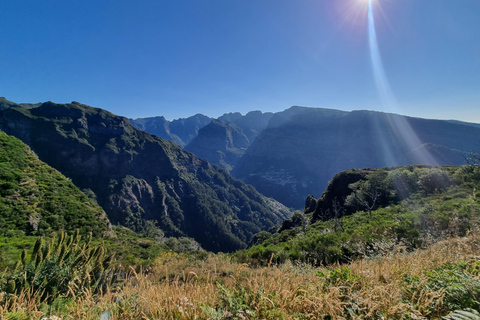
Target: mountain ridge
[
  {"x": 138, "y": 177},
  {"x": 301, "y": 150}
]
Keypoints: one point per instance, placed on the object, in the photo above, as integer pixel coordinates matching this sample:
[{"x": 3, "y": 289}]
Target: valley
[
  {"x": 136, "y": 226},
  {"x": 291, "y": 154}
]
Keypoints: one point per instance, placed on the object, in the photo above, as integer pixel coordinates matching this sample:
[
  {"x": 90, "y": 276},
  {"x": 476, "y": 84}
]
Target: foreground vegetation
[
  {"x": 425, "y": 284},
  {"x": 374, "y": 211}
]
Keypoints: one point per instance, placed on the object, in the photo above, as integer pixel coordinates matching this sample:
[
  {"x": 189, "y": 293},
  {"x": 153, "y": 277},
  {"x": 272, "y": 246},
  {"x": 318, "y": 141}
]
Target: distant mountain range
[
  {"x": 180, "y": 131},
  {"x": 136, "y": 176},
  {"x": 222, "y": 141},
  {"x": 285, "y": 155},
  {"x": 293, "y": 153},
  {"x": 303, "y": 148}
]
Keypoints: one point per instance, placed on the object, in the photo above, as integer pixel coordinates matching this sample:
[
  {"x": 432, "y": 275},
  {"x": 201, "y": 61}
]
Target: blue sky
[{"x": 180, "y": 57}]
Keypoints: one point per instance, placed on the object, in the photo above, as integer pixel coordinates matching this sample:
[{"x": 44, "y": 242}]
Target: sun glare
[
  {"x": 354, "y": 12},
  {"x": 363, "y": 2}
]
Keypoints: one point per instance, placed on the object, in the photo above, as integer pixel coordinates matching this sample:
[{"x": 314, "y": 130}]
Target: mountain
[
  {"x": 251, "y": 124},
  {"x": 225, "y": 140},
  {"x": 222, "y": 141},
  {"x": 219, "y": 142},
  {"x": 303, "y": 148},
  {"x": 181, "y": 131},
  {"x": 477, "y": 125},
  {"x": 5, "y": 104},
  {"x": 36, "y": 199},
  {"x": 138, "y": 177}
]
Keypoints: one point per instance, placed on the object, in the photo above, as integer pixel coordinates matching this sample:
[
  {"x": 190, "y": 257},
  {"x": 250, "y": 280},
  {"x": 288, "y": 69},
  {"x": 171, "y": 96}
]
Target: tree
[
  {"x": 371, "y": 192},
  {"x": 151, "y": 230},
  {"x": 473, "y": 159},
  {"x": 300, "y": 219},
  {"x": 433, "y": 180},
  {"x": 337, "y": 213}
]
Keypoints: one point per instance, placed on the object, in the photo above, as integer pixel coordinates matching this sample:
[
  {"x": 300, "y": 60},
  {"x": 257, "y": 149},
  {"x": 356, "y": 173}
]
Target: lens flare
[
  {"x": 377, "y": 65},
  {"x": 399, "y": 125}
]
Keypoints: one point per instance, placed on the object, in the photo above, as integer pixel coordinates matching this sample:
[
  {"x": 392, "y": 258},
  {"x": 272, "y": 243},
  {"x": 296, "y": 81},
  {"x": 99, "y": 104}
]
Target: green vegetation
[
  {"x": 468, "y": 314},
  {"x": 61, "y": 267},
  {"x": 440, "y": 282},
  {"x": 65, "y": 276},
  {"x": 35, "y": 199},
  {"x": 387, "y": 209},
  {"x": 140, "y": 250},
  {"x": 458, "y": 282},
  {"x": 391, "y": 243}
]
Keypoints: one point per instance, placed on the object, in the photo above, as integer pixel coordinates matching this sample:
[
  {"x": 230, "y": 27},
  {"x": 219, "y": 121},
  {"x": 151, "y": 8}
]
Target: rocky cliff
[
  {"x": 181, "y": 131},
  {"x": 137, "y": 176}
]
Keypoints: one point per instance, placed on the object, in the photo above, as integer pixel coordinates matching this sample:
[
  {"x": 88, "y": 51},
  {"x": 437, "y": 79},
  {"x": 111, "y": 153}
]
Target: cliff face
[
  {"x": 252, "y": 124},
  {"x": 137, "y": 176},
  {"x": 221, "y": 143},
  {"x": 180, "y": 131},
  {"x": 225, "y": 140},
  {"x": 303, "y": 148}
]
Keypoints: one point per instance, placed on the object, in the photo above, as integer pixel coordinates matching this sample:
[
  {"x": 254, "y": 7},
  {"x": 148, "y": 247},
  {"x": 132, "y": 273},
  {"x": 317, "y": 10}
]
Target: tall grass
[{"x": 397, "y": 286}]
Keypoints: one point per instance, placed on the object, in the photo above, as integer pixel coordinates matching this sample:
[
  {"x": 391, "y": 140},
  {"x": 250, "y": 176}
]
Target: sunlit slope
[
  {"x": 36, "y": 199},
  {"x": 303, "y": 148},
  {"x": 376, "y": 211},
  {"x": 136, "y": 176}
]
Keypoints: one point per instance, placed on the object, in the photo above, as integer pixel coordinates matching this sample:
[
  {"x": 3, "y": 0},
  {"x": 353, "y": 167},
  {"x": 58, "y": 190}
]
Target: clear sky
[{"x": 180, "y": 57}]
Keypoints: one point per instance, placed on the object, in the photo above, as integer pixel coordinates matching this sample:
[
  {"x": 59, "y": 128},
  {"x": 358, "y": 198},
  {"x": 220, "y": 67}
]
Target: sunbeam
[
  {"x": 377, "y": 65},
  {"x": 399, "y": 125}
]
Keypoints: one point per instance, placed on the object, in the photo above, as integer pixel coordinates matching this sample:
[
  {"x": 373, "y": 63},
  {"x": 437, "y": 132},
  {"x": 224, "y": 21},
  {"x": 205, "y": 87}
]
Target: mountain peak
[{"x": 138, "y": 177}]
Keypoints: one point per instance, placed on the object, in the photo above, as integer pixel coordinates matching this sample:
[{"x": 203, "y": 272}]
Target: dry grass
[{"x": 176, "y": 288}]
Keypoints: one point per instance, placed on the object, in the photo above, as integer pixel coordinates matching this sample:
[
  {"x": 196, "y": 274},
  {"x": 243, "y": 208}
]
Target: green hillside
[
  {"x": 376, "y": 211},
  {"x": 36, "y": 199}
]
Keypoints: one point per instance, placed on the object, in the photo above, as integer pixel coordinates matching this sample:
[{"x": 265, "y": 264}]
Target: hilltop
[{"x": 375, "y": 211}]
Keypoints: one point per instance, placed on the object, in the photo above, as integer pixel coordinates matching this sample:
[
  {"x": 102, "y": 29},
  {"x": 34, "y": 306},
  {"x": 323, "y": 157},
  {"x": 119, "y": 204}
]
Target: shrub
[
  {"x": 455, "y": 285},
  {"x": 60, "y": 266}
]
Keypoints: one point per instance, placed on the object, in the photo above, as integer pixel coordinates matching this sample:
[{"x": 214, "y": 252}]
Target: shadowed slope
[{"x": 137, "y": 176}]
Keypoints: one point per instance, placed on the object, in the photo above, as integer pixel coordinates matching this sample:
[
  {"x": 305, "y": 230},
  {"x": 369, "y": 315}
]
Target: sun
[
  {"x": 353, "y": 13},
  {"x": 365, "y": 3}
]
